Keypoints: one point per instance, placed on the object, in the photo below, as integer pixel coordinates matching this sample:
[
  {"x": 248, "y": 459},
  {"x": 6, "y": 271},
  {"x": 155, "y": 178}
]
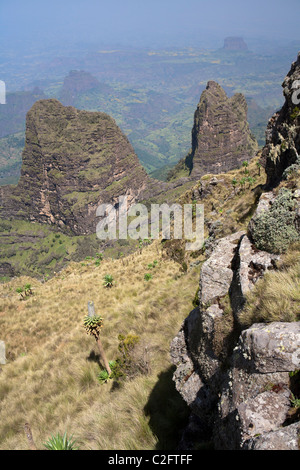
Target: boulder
[
  {"x": 216, "y": 273},
  {"x": 286, "y": 438},
  {"x": 256, "y": 392}
]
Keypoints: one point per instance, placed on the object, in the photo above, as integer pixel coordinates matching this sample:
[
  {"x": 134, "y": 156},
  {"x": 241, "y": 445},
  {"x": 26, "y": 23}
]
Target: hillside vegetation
[{"x": 50, "y": 379}]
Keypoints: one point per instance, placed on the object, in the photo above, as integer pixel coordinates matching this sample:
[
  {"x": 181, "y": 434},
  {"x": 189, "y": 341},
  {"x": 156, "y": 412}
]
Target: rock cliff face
[
  {"x": 238, "y": 381},
  {"x": 72, "y": 161},
  {"x": 282, "y": 147},
  {"x": 221, "y": 138}
]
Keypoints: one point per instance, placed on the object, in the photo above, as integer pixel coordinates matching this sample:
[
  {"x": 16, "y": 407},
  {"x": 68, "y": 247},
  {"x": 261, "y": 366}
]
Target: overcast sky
[{"x": 138, "y": 21}]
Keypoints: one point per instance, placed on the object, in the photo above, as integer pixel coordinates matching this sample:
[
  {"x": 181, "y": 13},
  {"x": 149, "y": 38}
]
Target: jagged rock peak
[
  {"x": 221, "y": 138},
  {"x": 73, "y": 160}
]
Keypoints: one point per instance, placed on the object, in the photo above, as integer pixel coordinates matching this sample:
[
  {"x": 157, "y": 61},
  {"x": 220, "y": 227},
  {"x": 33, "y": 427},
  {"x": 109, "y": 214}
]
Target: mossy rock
[{"x": 274, "y": 230}]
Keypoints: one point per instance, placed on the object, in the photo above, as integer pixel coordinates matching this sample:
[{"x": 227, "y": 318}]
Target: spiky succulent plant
[
  {"x": 103, "y": 376},
  {"x": 59, "y": 442},
  {"x": 108, "y": 280}
]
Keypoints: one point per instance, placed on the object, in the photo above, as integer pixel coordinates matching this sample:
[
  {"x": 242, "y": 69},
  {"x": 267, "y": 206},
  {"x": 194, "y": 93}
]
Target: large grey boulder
[
  {"x": 286, "y": 438},
  {"x": 215, "y": 282},
  {"x": 275, "y": 227},
  {"x": 256, "y": 393},
  {"x": 216, "y": 273},
  {"x": 249, "y": 265},
  {"x": 273, "y": 347},
  {"x": 186, "y": 379}
]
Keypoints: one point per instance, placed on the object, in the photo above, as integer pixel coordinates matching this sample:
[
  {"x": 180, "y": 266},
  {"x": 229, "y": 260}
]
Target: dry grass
[
  {"x": 232, "y": 208},
  {"x": 276, "y": 297},
  {"x": 50, "y": 379}
]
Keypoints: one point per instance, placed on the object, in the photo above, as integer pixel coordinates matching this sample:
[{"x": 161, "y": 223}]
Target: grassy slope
[
  {"x": 55, "y": 364},
  {"x": 230, "y": 209},
  {"x": 50, "y": 379},
  {"x": 38, "y": 250}
]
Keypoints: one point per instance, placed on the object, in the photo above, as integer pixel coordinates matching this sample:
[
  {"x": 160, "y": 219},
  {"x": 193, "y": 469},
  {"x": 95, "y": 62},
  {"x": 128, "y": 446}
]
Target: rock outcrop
[
  {"x": 221, "y": 138},
  {"x": 276, "y": 223},
  {"x": 256, "y": 393},
  {"x": 240, "y": 382},
  {"x": 282, "y": 149},
  {"x": 72, "y": 161},
  {"x": 236, "y": 382}
]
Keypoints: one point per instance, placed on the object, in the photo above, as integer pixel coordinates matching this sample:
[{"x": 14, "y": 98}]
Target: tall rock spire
[{"x": 221, "y": 138}]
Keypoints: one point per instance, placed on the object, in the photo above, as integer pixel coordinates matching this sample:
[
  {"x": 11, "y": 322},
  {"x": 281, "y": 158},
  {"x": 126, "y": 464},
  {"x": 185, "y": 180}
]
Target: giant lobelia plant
[{"x": 93, "y": 324}]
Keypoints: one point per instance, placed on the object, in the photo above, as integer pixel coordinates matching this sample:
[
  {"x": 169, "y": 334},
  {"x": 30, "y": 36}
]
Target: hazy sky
[{"x": 138, "y": 21}]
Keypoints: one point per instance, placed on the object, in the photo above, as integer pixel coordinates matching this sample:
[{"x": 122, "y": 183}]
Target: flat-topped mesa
[
  {"x": 282, "y": 147},
  {"x": 75, "y": 82},
  {"x": 235, "y": 43},
  {"x": 221, "y": 137},
  {"x": 72, "y": 161}
]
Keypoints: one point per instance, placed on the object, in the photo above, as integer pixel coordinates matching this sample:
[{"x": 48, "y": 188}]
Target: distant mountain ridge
[{"x": 13, "y": 113}]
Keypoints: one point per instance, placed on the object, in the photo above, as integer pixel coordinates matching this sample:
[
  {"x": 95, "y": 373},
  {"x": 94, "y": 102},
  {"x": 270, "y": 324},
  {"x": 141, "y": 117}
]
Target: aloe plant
[
  {"x": 259, "y": 166},
  {"x": 20, "y": 291},
  {"x": 28, "y": 289},
  {"x": 108, "y": 280},
  {"x": 295, "y": 402},
  {"x": 103, "y": 376},
  {"x": 59, "y": 442},
  {"x": 25, "y": 291},
  {"x": 234, "y": 182},
  {"x": 115, "y": 373},
  {"x": 245, "y": 166}
]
